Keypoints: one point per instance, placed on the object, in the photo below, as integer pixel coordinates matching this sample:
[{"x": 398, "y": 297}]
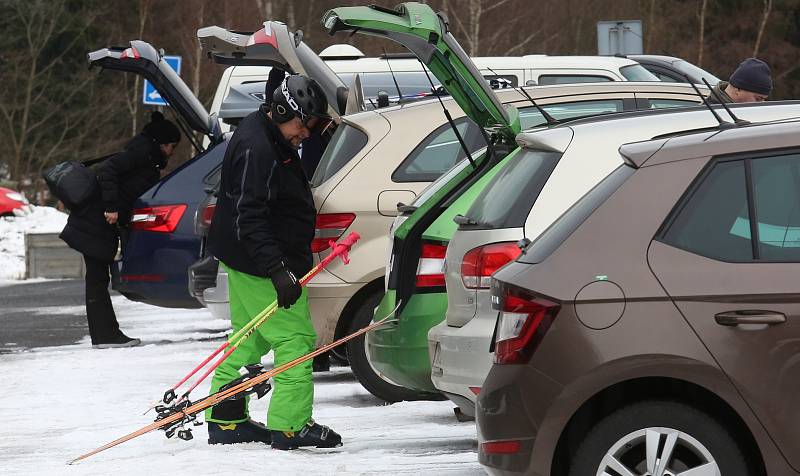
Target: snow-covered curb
[{"x": 12, "y": 237}]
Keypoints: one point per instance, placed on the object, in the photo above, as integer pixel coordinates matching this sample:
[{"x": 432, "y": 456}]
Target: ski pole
[
  {"x": 223, "y": 395},
  {"x": 339, "y": 249}
]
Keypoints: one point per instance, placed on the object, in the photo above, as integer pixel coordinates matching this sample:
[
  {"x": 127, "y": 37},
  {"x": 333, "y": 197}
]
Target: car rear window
[
  {"x": 567, "y": 223},
  {"x": 637, "y": 72},
  {"x": 509, "y": 196},
  {"x": 346, "y": 142}
]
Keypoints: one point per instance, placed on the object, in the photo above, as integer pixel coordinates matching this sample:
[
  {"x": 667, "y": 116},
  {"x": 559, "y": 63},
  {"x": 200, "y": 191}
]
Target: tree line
[{"x": 54, "y": 108}]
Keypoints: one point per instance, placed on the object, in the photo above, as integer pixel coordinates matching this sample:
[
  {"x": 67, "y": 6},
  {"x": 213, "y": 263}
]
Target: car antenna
[
  {"x": 448, "y": 116},
  {"x": 397, "y": 86},
  {"x": 736, "y": 120},
  {"x": 547, "y": 117},
  {"x": 722, "y": 123}
]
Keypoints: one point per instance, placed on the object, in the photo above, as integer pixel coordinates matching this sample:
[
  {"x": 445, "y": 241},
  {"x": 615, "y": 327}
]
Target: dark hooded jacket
[
  {"x": 265, "y": 210},
  {"x": 122, "y": 179},
  {"x": 720, "y": 90}
]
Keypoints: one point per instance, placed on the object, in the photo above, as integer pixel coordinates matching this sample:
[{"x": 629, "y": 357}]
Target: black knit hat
[
  {"x": 161, "y": 130},
  {"x": 752, "y": 75}
]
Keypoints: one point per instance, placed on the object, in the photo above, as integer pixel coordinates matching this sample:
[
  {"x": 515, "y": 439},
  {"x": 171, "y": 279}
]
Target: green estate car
[
  {"x": 415, "y": 283},
  {"x": 400, "y": 352}
]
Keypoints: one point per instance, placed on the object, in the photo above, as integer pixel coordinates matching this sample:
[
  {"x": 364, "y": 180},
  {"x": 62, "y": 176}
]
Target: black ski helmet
[{"x": 298, "y": 96}]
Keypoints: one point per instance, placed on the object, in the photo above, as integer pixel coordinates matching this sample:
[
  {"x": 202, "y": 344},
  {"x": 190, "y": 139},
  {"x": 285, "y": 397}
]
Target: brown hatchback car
[{"x": 654, "y": 329}]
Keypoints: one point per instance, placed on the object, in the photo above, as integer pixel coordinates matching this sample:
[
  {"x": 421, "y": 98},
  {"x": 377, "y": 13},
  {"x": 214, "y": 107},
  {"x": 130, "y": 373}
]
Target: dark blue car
[{"x": 161, "y": 244}]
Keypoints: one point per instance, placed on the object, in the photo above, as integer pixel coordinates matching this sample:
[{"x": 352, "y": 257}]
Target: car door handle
[{"x": 734, "y": 318}]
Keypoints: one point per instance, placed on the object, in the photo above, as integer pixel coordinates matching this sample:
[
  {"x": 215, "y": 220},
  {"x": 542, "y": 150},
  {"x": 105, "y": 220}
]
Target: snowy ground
[
  {"x": 12, "y": 237},
  {"x": 59, "y": 402}
]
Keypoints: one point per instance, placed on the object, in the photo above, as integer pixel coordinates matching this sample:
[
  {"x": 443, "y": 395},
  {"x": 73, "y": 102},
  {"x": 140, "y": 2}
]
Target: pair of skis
[
  {"x": 174, "y": 418},
  {"x": 338, "y": 249}
]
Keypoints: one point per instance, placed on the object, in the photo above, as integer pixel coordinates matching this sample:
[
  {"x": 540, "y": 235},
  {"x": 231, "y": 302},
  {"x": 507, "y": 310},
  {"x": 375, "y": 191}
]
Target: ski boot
[
  {"x": 245, "y": 432},
  {"x": 312, "y": 434}
]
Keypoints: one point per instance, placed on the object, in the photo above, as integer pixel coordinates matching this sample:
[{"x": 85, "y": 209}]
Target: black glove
[{"x": 286, "y": 285}]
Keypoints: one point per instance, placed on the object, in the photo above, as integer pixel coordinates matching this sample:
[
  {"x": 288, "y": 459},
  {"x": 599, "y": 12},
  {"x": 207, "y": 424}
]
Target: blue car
[{"x": 161, "y": 243}]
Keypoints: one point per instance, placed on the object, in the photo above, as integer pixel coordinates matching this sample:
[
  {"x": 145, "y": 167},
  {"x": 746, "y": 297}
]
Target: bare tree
[
  {"x": 701, "y": 42},
  {"x": 132, "y": 93},
  {"x": 36, "y": 104},
  {"x": 763, "y": 26}
]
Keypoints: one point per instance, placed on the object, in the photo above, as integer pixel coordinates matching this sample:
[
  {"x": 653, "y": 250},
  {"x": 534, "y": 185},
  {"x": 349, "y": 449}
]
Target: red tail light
[
  {"x": 480, "y": 263},
  {"x": 503, "y": 447},
  {"x": 163, "y": 219},
  {"x": 330, "y": 226},
  {"x": 430, "y": 271},
  {"x": 524, "y": 320},
  {"x": 208, "y": 214}
]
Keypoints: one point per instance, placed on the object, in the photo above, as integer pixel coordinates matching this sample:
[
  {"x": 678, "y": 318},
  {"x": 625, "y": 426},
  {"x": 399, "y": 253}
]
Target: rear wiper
[
  {"x": 551, "y": 121},
  {"x": 403, "y": 208},
  {"x": 465, "y": 220}
]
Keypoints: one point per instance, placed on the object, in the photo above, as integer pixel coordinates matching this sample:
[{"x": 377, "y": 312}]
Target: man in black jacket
[{"x": 261, "y": 233}]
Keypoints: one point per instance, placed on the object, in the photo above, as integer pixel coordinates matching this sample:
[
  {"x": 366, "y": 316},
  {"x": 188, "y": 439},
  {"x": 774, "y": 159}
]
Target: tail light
[
  {"x": 480, "y": 263},
  {"x": 163, "y": 219},
  {"x": 502, "y": 447},
  {"x": 330, "y": 227},
  {"x": 523, "y": 322},
  {"x": 430, "y": 271},
  {"x": 207, "y": 214}
]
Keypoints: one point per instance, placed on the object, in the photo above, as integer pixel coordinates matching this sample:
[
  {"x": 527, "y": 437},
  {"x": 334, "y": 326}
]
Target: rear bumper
[
  {"x": 463, "y": 359},
  {"x": 400, "y": 352}
]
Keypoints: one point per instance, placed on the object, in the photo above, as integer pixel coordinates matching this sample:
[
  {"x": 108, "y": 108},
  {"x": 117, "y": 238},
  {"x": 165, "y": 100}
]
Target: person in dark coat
[
  {"x": 94, "y": 229},
  {"x": 751, "y": 82}
]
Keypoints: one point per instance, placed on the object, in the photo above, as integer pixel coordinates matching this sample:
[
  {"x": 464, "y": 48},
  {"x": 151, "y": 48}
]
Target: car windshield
[
  {"x": 637, "y": 72},
  {"x": 346, "y": 142},
  {"x": 509, "y": 196}
]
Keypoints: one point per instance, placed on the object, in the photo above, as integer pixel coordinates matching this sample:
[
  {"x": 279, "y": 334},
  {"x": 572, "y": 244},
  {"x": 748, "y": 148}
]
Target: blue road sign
[{"x": 150, "y": 95}]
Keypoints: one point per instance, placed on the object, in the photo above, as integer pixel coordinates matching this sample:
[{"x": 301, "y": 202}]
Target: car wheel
[
  {"x": 366, "y": 375},
  {"x": 658, "y": 438}
]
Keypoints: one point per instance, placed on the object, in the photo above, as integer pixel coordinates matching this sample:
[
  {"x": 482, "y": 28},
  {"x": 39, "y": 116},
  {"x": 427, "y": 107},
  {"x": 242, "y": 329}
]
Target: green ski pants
[{"x": 289, "y": 333}]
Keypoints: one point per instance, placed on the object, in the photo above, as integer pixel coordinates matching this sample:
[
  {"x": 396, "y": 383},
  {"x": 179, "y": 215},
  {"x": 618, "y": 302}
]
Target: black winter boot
[
  {"x": 312, "y": 434},
  {"x": 245, "y": 432}
]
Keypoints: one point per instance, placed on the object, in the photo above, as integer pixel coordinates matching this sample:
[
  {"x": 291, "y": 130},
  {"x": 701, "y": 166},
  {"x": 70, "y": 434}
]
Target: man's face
[
  {"x": 295, "y": 132},
  {"x": 741, "y": 95},
  {"x": 168, "y": 149}
]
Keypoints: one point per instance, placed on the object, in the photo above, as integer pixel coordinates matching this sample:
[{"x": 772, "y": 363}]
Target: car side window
[
  {"x": 656, "y": 103},
  {"x": 715, "y": 221},
  {"x": 439, "y": 152},
  {"x": 548, "y": 79},
  {"x": 776, "y": 197},
  {"x": 531, "y": 117}
]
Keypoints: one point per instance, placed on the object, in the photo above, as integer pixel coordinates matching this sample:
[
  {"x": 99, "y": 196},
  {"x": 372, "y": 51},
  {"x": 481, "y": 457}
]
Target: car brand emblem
[{"x": 234, "y": 38}]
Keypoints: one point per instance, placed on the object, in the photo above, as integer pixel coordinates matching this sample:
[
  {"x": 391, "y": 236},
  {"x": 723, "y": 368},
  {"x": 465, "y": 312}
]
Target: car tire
[
  {"x": 698, "y": 439},
  {"x": 366, "y": 375}
]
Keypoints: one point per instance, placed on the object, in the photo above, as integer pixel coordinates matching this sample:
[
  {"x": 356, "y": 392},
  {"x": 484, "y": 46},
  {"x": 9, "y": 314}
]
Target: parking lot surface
[{"x": 65, "y": 399}]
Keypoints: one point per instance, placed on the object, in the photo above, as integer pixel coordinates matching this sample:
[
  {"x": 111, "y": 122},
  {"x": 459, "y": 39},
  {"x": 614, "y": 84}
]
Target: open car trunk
[
  {"x": 275, "y": 46},
  {"x": 143, "y": 59},
  {"x": 427, "y": 35}
]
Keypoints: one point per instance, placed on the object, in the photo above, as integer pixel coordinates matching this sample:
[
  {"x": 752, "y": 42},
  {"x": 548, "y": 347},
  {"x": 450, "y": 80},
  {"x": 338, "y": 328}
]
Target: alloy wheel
[{"x": 658, "y": 451}]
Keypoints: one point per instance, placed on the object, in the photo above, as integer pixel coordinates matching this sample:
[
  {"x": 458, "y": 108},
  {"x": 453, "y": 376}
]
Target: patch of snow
[
  {"x": 12, "y": 237},
  {"x": 60, "y": 402}
]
